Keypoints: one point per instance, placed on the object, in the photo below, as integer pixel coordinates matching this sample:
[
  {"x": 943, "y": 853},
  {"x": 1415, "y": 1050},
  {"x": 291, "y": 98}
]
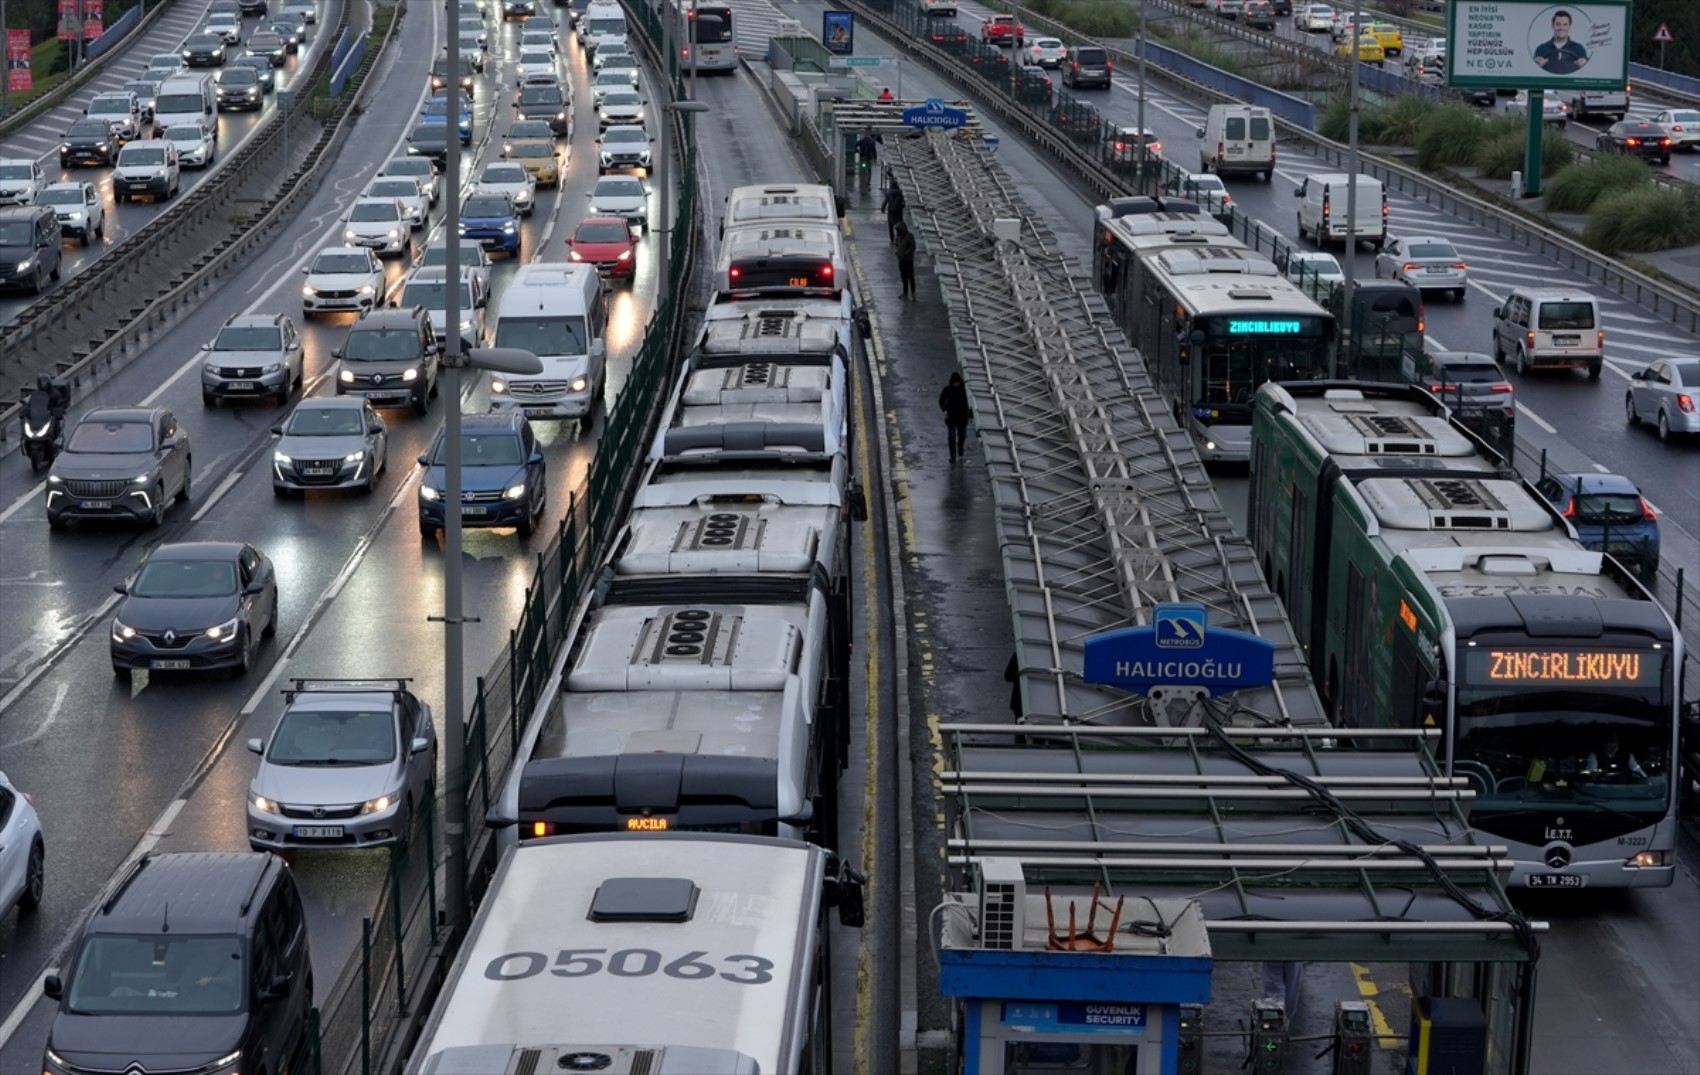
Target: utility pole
[
  {"x": 1139, "y": 167},
  {"x": 1346, "y": 263}
]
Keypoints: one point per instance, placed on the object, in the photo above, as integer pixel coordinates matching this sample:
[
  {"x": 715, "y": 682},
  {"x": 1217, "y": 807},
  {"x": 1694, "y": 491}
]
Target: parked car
[
  {"x": 1636, "y": 138},
  {"x": 1427, "y": 263},
  {"x": 329, "y": 442},
  {"x": 142, "y": 444},
  {"x": 1610, "y": 515},
  {"x": 1667, "y": 393},
  {"x": 199, "y": 605},
  {"x": 23, "y": 851}
]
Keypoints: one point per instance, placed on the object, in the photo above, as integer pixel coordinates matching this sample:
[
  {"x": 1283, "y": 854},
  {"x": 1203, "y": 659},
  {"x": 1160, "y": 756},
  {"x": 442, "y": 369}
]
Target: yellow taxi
[
  {"x": 540, "y": 158},
  {"x": 1369, "y": 49},
  {"x": 1391, "y": 37}
]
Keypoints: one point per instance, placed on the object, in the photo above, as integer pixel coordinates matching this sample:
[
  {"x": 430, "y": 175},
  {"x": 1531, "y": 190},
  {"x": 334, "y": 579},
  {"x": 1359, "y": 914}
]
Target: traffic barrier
[
  {"x": 1687, "y": 85},
  {"x": 1288, "y": 107},
  {"x": 113, "y": 34},
  {"x": 352, "y": 58},
  {"x": 16, "y": 118}
]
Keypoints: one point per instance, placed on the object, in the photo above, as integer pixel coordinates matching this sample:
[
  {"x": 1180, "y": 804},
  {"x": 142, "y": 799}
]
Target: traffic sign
[
  {"x": 935, "y": 113},
  {"x": 864, "y": 61},
  {"x": 1180, "y": 649},
  {"x": 1662, "y": 34}
]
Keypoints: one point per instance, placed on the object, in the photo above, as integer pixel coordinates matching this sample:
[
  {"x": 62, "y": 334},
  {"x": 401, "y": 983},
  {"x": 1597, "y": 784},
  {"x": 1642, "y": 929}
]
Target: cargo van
[
  {"x": 1237, "y": 140},
  {"x": 559, "y": 313},
  {"x": 1322, "y": 209},
  {"x": 1550, "y": 328},
  {"x": 187, "y": 99},
  {"x": 601, "y": 22}
]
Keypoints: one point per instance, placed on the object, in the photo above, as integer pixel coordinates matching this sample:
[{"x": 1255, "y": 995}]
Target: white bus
[
  {"x": 708, "y": 43},
  {"x": 779, "y": 203}
]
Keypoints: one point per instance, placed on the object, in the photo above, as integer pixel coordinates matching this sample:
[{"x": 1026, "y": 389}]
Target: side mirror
[
  {"x": 1298, "y": 192},
  {"x": 336, "y": 352},
  {"x": 52, "y": 988},
  {"x": 424, "y": 460},
  {"x": 277, "y": 430},
  {"x": 255, "y": 586},
  {"x": 375, "y": 427},
  {"x": 536, "y": 458},
  {"x": 1201, "y": 132},
  {"x": 119, "y": 587},
  {"x": 256, "y": 746},
  {"x": 503, "y": 154},
  {"x": 170, "y": 442},
  {"x": 418, "y": 746},
  {"x": 1641, "y": 375},
  {"x": 277, "y": 988}
]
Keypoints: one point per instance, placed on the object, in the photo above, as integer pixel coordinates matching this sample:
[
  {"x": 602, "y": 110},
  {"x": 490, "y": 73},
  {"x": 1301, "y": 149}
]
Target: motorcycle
[{"x": 43, "y": 436}]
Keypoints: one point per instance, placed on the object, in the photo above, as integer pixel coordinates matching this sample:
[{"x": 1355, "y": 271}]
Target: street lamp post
[
  {"x": 1139, "y": 175},
  {"x": 1351, "y": 252}
]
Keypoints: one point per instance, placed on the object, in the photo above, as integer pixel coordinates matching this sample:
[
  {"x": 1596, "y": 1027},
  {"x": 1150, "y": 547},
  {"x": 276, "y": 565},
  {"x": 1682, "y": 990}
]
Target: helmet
[{"x": 43, "y": 382}]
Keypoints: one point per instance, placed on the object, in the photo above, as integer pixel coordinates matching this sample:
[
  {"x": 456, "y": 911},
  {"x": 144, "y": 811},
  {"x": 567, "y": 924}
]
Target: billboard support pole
[{"x": 1532, "y": 156}]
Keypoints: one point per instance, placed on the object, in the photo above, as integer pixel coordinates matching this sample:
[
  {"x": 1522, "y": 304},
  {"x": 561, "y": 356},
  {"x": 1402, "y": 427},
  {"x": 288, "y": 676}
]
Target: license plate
[
  {"x": 318, "y": 832},
  {"x": 240, "y": 386},
  {"x": 1557, "y": 880},
  {"x": 1566, "y": 341},
  {"x": 168, "y": 665},
  {"x": 318, "y": 472},
  {"x": 94, "y": 505},
  {"x": 1437, "y": 268},
  {"x": 474, "y": 509},
  {"x": 540, "y": 412}
]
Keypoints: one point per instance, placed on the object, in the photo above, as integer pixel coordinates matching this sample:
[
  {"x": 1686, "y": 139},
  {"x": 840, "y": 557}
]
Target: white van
[
  {"x": 601, "y": 22},
  {"x": 1322, "y": 209},
  {"x": 1238, "y": 140},
  {"x": 1550, "y": 328},
  {"x": 559, "y": 313},
  {"x": 187, "y": 99}
]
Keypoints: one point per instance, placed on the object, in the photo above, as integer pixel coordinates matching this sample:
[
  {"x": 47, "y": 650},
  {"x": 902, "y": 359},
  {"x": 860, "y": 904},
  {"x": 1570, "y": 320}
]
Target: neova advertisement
[{"x": 1539, "y": 44}]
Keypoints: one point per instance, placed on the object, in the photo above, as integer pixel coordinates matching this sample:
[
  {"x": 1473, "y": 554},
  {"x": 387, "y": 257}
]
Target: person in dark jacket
[
  {"x": 953, "y": 401},
  {"x": 893, "y": 207},
  {"x": 905, "y": 244}
]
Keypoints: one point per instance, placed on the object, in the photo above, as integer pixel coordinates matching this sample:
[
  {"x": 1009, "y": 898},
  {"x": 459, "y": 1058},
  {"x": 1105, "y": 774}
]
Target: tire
[
  {"x": 240, "y": 669},
  {"x": 1498, "y": 352},
  {"x": 1458, "y": 295},
  {"x": 208, "y": 399},
  {"x": 281, "y": 493},
  {"x": 371, "y": 485},
  {"x": 55, "y": 522},
  {"x": 1595, "y": 370},
  {"x": 1522, "y": 362},
  {"x": 306, "y": 314},
  {"x": 527, "y": 525},
  {"x": 122, "y": 675},
  {"x": 35, "y": 877},
  {"x": 1629, "y": 409},
  {"x": 54, "y": 274},
  {"x": 84, "y": 237},
  {"x": 183, "y": 494},
  {"x": 158, "y": 515},
  {"x": 422, "y": 402},
  {"x": 427, "y": 531},
  {"x": 1664, "y": 427}
]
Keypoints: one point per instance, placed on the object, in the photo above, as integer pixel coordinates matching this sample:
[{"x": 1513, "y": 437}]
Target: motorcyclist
[{"x": 49, "y": 400}]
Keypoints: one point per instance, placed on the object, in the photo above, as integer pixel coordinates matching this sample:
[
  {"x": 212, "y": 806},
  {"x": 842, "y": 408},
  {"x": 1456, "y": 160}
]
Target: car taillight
[
  {"x": 1632, "y": 141},
  {"x": 1569, "y": 511},
  {"x": 1219, "y": 151},
  {"x": 1529, "y": 339},
  {"x": 1685, "y": 403},
  {"x": 1121, "y": 147},
  {"x": 1600, "y": 338},
  {"x": 734, "y": 272},
  {"x": 1410, "y": 266},
  {"x": 1502, "y": 388},
  {"x": 826, "y": 271},
  {"x": 1647, "y": 511},
  {"x": 1442, "y": 388},
  {"x": 1461, "y": 266},
  {"x": 1677, "y": 127},
  {"x": 1664, "y": 141}
]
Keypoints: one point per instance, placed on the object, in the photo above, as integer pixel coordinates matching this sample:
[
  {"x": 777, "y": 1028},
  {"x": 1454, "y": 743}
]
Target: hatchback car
[
  {"x": 342, "y": 278},
  {"x": 623, "y": 196},
  {"x": 436, "y": 110},
  {"x": 1610, "y": 515},
  {"x": 1046, "y": 52},
  {"x": 605, "y": 52},
  {"x": 1315, "y": 267},
  {"x": 511, "y": 179},
  {"x": 609, "y": 82},
  {"x": 415, "y": 202},
  {"x": 392, "y": 358},
  {"x": 382, "y": 224},
  {"x": 1635, "y": 138},
  {"x": 539, "y": 157},
  {"x": 550, "y": 104},
  {"x": 199, "y": 605},
  {"x": 1427, "y": 263},
  {"x": 253, "y": 355},
  {"x": 239, "y": 90},
  {"x": 1125, "y": 147},
  {"x": 349, "y": 765},
  {"x": 329, "y": 442},
  {"x": 80, "y": 211},
  {"x": 1683, "y": 126},
  {"x": 1258, "y": 14},
  {"x": 1369, "y": 49},
  {"x": 606, "y": 242},
  {"x": 163, "y": 65},
  {"x": 536, "y": 67},
  {"x": 620, "y": 148},
  {"x": 23, "y": 851},
  {"x": 491, "y": 221},
  {"x": 503, "y": 481},
  {"x": 525, "y": 130},
  {"x": 195, "y": 145},
  {"x": 1033, "y": 85},
  {"x": 120, "y": 463},
  {"x": 431, "y": 141},
  {"x": 1667, "y": 394},
  {"x": 620, "y": 108}
]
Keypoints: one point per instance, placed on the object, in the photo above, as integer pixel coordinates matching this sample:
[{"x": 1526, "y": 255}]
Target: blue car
[
  {"x": 436, "y": 110},
  {"x": 1609, "y": 514},
  {"x": 502, "y": 475},
  {"x": 491, "y": 221}
]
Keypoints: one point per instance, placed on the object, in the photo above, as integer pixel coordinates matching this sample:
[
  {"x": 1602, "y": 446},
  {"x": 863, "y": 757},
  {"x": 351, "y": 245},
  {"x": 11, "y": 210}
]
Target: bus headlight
[{"x": 1648, "y": 860}]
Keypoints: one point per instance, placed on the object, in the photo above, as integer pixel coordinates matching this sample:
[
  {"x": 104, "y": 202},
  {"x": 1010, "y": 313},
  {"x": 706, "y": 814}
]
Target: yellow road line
[{"x": 1388, "y": 1037}]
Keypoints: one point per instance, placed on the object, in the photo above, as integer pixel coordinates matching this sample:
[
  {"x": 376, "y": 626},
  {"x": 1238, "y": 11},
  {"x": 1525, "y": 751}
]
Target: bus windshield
[{"x": 1241, "y": 353}]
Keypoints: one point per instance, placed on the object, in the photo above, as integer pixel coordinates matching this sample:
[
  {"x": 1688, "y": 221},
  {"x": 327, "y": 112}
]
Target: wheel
[
  {"x": 1458, "y": 295},
  {"x": 1629, "y": 409},
  {"x": 527, "y": 524},
  {"x": 56, "y": 522},
  {"x": 54, "y": 274},
  {"x": 158, "y": 515},
  {"x": 281, "y": 492},
  {"x": 427, "y": 530},
  {"x": 1594, "y": 371},
  {"x": 240, "y": 668},
  {"x": 35, "y": 877},
  {"x": 371, "y": 485},
  {"x": 1498, "y": 352},
  {"x": 1302, "y": 235},
  {"x": 84, "y": 237},
  {"x": 436, "y": 386},
  {"x": 421, "y": 402},
  {"x": 188, "y": 472},
  {"x": 1664, "y": 427},
  {"x": 306, "y": 314},
  {"x": 208, "y": 399},
  {"x": 1522, "y": 362}
]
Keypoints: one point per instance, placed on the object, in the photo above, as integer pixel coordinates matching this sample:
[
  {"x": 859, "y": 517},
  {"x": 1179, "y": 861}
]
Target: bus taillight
[{"x": 539, "y": 828}]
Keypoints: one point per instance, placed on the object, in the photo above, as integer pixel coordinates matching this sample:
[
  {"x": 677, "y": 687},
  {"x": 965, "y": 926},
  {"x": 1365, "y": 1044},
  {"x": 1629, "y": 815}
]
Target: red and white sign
[
  {"x": 18, "y": 76},
  {"x": 69, "y": 18},
  {"x": 1662, "y": 34},
  {"x": 94, "y": 19}
]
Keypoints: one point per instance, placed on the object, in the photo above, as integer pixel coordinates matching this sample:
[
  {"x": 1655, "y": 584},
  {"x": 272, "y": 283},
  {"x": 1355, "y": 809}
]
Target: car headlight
[
  {"x": 428, "y": 493},
  {"x": 309, "y": 291},
  {"x": 142, "y": 479},
  {"x": 27, "y": 263},
  {"x": 346, "y": 376},
  {"x": 349, "y": 234},
  {"x": 365, "y": 289},
  {"x": 121, "y": 631},
  {"x": 354, "y": 457},
  {"x": 510, "y": 227},
  {"x": 264, "y": 805},
  {"x": 280, "y": 457},
  {"x": 625, "y": 255},
  {"x": 271, "y": 368},
  {"x": 560, "y": 115},
  {"x": 54, "y": 479},
  {"x": 499, "y": 387},
  {"x": 410, "y": 375},
  {"x": 574, "y": 255},
  {"x": 514, "y": 492},
  {"x": 393, "y": 233},
  {"x": 227, "y": 629},
  {"x": 210, "y": 368},
  {"x": 579, "y": 384}
]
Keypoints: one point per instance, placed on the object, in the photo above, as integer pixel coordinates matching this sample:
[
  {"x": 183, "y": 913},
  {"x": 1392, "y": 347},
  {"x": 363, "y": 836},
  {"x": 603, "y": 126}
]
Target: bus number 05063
[{"x": 628, "y": 963}]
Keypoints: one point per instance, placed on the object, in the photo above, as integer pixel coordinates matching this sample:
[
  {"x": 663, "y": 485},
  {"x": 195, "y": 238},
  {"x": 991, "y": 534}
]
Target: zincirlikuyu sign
[{"x": 1538, "y": 44}]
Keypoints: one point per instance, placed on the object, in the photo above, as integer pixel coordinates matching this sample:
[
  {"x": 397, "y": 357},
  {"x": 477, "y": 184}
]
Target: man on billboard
[{"x": 1561, "y": 55}]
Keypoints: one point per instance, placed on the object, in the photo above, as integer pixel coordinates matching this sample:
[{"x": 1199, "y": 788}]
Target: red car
[
  {"x": 1002, "y": 29},
  {"x": 605, "y": 242}
]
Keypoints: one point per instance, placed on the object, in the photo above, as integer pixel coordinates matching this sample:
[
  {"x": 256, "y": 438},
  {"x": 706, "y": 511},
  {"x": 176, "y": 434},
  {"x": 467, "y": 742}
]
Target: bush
[
  {"x": 1644, "y": 218},
  {"x": 1336, "y": 118},
  {"x": 1579, "y": 186},
  {"x": 1501, "y": 151},
  {"x": 1402, "y": 121},
  {"x": 1451, "y": 136},
  {"x": 1093, "y": 18}
]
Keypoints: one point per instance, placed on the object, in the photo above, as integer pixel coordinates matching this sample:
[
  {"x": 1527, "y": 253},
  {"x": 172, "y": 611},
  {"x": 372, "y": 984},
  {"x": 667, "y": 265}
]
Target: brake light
[
  {"x": 734, "y": 272},
  {"x": 1461, "y": 266},
  {"x": 826, "y": 271},
  {"x": 1647, "y": 511},
  {"x": 1410, "y": 266},
  {"x": 1664, "y": 141},
  {"x": 1685, "y": 403},
  {"x": 1219, "y": 151},
  {"x": 1529, "y": 339},
  {"x": 1677, "y": 127},
  {"x": 1632, "y": 141},
  {"x": 1569, "y": 511},
  {"x": 1600, "y": 339},
  {"x": 1502, "y": 388},
  {"x": 1121, "y": 147},
  {"x": 1442, "y": 388}
]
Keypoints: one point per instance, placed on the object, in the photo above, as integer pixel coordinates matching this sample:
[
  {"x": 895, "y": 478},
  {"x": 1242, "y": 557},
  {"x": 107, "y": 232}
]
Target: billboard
[
  {"x": 1539, "y": 44},
  {"x": 18, "y": 61},
  {"x": 838, "y": 32}
]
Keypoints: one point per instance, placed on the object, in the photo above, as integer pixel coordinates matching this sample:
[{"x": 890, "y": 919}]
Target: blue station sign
[
  {"x": 934, "y": 113},
  {"x": 1179, "y": 649}
]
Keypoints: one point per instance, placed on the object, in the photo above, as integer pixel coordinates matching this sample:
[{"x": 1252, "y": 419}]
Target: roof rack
[{"x": 386, "y": 685}]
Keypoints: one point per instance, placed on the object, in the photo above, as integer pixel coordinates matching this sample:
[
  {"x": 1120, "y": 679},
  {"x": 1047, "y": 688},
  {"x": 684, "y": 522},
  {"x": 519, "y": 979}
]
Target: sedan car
[
  {"x": 164, "y": 65},
  {"x": 1636, "y": 138},
  {"x": 270, "y": 46},
  {"x": 1610, "y": 515},
  {"x": 607, "y": 51},
  {"x": 23, "y": 852},
  {"x": 537, "y": 62},
  {"x": 623, "y": 196},
  {"x": 539, "y": 157},
  {"x": 502, "y": 475},
  {"x": 491, "y": 221},
  {"x": 329, "y": 442},
  {"x": 513, "y": 180},
  {"x": 406, "y": 190},
  {"x": 88, "y": 141},
  {"x": 1206, "y": 189},
  {"x": 81, "y": 213},
  {"x": 342, "y": 278},
  {"x": 470, "y": 26},
  {"x": 429, "y": 140},
  {"x": 195, "y": 145},
  {"x": 197, "y": 605},
  {"x": 420, "y": 168},
  {"x": 306, "y": 10},
  {"x": 620, "y": 108},
  {"x": 1683, "y": 126},
  {"x": 1046, "y": 52},
  {"x": 227, "y": 25},
  {"x": 378, "y": 223},
  {"x": 1316, "y": 19},
  {"x": 1309, "y": 267},
  {"x": 606, "y": 242},
  {"x": 474, "y": 52},
  {"x": 473, "y": 259},
  {"x": 348, "y": 764},
  {"x": 1427, "y": 263},
  {"x": 1553, "y": 110},
  {"x": 120, "y": 463},
  {"x": 622, "y": 148},
  {"x": 1667, "y": 393},
  {"x": 239, "y": 89},
  {"x": 262, "y": 68},
  {"x": 291, "y": 29},
  {"x": 525, "y": 130},
  {"x": 253, "y": 355},
  {"x": 1033, "y": 85},
  {"x": 204, "y": 50}
]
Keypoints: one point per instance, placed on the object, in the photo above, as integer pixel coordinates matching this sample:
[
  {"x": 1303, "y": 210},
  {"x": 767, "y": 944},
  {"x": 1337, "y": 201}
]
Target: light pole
[
  {"x": 1139, "y": 175},
  {"x": 1346, "y": 265},
  {"x": 668, "y": 181}
]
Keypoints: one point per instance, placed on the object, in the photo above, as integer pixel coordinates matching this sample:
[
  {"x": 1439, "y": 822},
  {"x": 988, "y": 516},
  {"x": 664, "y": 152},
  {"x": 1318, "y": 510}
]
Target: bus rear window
[{"x": 1567, "y": 315}]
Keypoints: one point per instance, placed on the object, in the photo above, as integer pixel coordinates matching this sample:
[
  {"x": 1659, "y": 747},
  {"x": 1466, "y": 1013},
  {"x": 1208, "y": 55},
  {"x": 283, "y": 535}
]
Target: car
[
  {"x": 1391, "y": 37},
  {"x": 1002, "y": 30},
  {"x": 195, "y": 606},
  {"x": 1474, "y": 388},
  {"x": 1205, "y": 188},
  {"x": 291, "y": 29},
  {"x": 537, "y": 63},
  {"x": 1033, "y": 85},
  {"x": 227, "y": 25},
  {"x": 251, "y": 8},
  {"x": 1610, "y": 515},
  {"x": 1636, "y": 138},
  {"x": 620, "y": 108},
  {"x": 947, "y": 34},
  {"x": 329, "y": 442},
  {"x": 234, "y": 7},
  {"x": 342, "y": 278},
  {"x": 430, "y": 140},
  {"x": 164, "y": 65},
  {"x": 1346, "y": 21},
  {"x": 1427, "y": 263},
  {"x": 518, "y": 9},
  {"x": 253, "y": 355},
  {"x": 546, "y": 38},
  {"x": 1552, "y": 109},
  {"x": 349, "y": 765},
  {"x": 1258, "y": 14},
  {"x": 239, "y": 89},
  {"x": 414, "y": 199},
  {"x": 194, "y": 144},
  {"x": 204, "y": 49},
  {"x": 436, "y": 110},
  {"x": 1666, "y": 393},
  {"x": 392, "y": 358},
  {"x": 120, "y": 463},
  {"x": 262, "y": 68},
  {"x": 120, "y": 110},
  {"x": 424, "y": 287},
  {"x": 23, "y": 851},
  {"x": 473, "y": 259},
  {"x": 88, "y": 141},
  {"x": 379, "y": 223},
  {"x": 1313, "y": 267},
  {"x": 1369, "y": 49},
  {"x": 623, "y": 147},
  {"x": 420, "y": 168},
  {"x": 606, "y": 242},
  {"x": 503, "y": 476},
  {"x": 605, "y": 51},
  {"x": 626, "y": 65},
  {"x": 1046, "y": 52},
  {"x": 1087, "y": 65},
  {"x": 473, "y": 51},
  {"x": 550, "y": 104},
  {"x": 524, "y": 130},
  {"x": 467, "y": 76},
  {"x": 512, "y": 179},
  {"x": 146, "y": 169},
  {"x": 624, "y": 196},
  {"x": 1480, "y": 96},
  {"x": 1316, "y": 19},
  {"x": 1227, "y": 9},
  {"x": 1126, "y": 143},
  {"x": 473, "y": 26},
  {"x": 1081, "y": 122},
  {"x": 145, "y": 89},
  {"x": 491, "y": 221},
  {"x": 79, "y": 208},
  {"x": 539, "y": 157},
  {"x": 217, "y": 970},
  {"x": 1683, "y": 126},
  {"x": 269, "y": 46},
  {"x": 306, "y": 10}
]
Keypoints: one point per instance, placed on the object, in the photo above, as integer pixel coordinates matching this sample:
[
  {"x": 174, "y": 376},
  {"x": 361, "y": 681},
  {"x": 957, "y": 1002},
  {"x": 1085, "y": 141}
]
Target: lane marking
[
  {"x": 213, "y": 498},
  {"x": 42, "y": 666},
  {"x": 21, "y": 1010},
  {"x": 41, "y": 729},
  {"x": 1386, "y": 1036},
  {"x": 1523, "y": 409},
  {"x": 264, "y": 688}
]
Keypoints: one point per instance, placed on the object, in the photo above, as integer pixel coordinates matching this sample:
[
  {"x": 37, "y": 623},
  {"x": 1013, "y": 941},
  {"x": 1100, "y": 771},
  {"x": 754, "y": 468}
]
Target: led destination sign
[{"x": 1540, "y": 668}]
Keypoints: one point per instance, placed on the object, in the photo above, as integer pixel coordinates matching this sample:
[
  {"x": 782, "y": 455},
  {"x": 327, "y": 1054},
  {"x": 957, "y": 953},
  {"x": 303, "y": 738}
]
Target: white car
[
  {"x": 1047, "y": 51},
  {"x": 621, "y": 108},
  {"x": 406, "y": 190},
  {"x": 1683, "y": 126},
  {"x": 21, "y": 181},
  {"x": 622, "y": 148},
  {"x": 419, "y": 168},
  {"x": 342, "y": 278},
  {"x": 226, "y": 24},
  {"x": 608, "y": 82},
  {"x": 424, "y": 287},
  {"x": 380, "y": 224},
  {"x": 120, "y": 109},
  {"x": 473, "y": 259},
  {"x": 536, "y": 66},
  {"x": 23, "y": 852},
  {"x": 514, "y": 180},
  {"x": 1553, "y": 110},
  {"x": 164, "y": 65},
  {"x": 1314, "y": 267},
  {"x": 1427, "y": 263},
  {"x": 307, "y": 9},
  {"x": 79, "y": 208},
  {"x": 621, "y": 196},
  {"x": 1317, "y": 19},
  {"x": 607, "y": 51},
  {"x": 472, "y": 27},
  {"x": 1207, "y": 189},
  {"x": 531, "y": 40}
]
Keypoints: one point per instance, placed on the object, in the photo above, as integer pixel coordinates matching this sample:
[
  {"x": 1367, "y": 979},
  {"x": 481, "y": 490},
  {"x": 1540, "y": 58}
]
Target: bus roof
[
  {"x": 727, "y": 530},
  {"x": 1361, "y": 427}
]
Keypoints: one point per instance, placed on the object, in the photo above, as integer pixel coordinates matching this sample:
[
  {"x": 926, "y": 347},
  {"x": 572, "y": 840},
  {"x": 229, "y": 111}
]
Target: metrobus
[
  {"x": 1212, "y": 319},
  {"x": 668, "y": 954},
  {"x": 1433, "y": 587},
  {"x": 709, "y": 43}
]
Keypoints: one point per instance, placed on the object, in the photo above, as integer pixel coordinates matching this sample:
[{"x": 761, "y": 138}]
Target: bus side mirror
[
  {"x": 844, "y": 891},
  {"x": 1434, "y": 695}
]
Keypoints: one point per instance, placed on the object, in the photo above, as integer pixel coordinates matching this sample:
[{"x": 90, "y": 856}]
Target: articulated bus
[
  {"x": 1432, "y": 587},
  {"x": 709, "y": 44},
  {"x": 1213, "y": 320}
]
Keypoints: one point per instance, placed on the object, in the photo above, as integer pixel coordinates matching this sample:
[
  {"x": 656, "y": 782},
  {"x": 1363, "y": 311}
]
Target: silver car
[
  {"x": 329, "y": 442},
  {"x": 254, "y": 355},
  {"x": 349, "y": 765},
  {"x": 1427, "y": 263},
  {"x": 23, "y": 853},
  {"x": 1667, "y": 393}
]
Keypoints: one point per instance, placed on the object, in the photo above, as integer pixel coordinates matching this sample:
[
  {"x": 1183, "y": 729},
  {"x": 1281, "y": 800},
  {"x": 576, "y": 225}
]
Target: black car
[
  {"x": 1258, "y": 14},
  {"x": 1480, "y": 96},
  {"x": 1033, "y": 85},
  {"x": 120, "y": 463},
  {"x": 947, "y": 35},
  {"x": 88, "y": 141},
  {"x": 1282, "y": 7},
  {"x": 1080, "y": 122},
  {"x": 272, "y": 47},
  {"x": 204, "y": 50},
  {"x": 429, "y": 140},
  {"x": 1636, "y": 138},
  {"x": 440, "y": 74},
  {"x": 239, "y": 89},
  {"x": 252, "y": 8},
  {"x": 518, "y": 9},
  {"x": 198, "y": 605},
  {"x": 262, "y": 68},
  {"x": 547, "y": 103},
  {"x": 226, "y": 985}
]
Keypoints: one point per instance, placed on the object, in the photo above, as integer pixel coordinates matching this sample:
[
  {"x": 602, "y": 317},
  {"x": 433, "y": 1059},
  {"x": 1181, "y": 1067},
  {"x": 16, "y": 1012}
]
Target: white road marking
[
  {"x": 17, "y": 505},
  {"x": 41, "y": 667},
  {"x": 21, "y": 1010},
  {"x": 1524, "y": 410},
  {"x": 223, "y": 487},
  {"x": 41, "y": 729},
  {"x": 1601, "y": 469},
  {"x": 265, "y": 686}
]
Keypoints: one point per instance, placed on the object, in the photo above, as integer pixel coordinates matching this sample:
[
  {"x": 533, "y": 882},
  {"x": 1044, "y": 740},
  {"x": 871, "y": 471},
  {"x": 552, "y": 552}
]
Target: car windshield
[
  {"x": 238, "y": 76},
  {"x": 1048, "y": 43},
  {"x": 426, "y": 133},
  {"x": 248, "y": 338},
  {"x": 165, "y": 974},
  {"x": 112, "y": 438},
  {"x": 536, "y": 58},
  {"x": 334, "y": 737},
  {"x": 438, "y": 106},
  {"x": 619, "y": 63},
  {"x": 438, "y": 256},
  {"x": 1567, "y": 315},
  {"x": 602, "y": 233},
  {"x": 1469, "y": 372},
  {"x": 375, "y": 211},
  {"x": 503, "y": 173},
  {"x": 542, "y": 335},
  {"x": 1432, "y": 250},
  {"x": 325, "y": 422},
  {"x": 185, "y": 578},
  {"x": 16, "y": 171},
  {"x": 15, "y": 233},
  {"x": 619, "y": 187},
  {"x": 110, "y": 106},
  {"x": 541, "y": 95},
  {"x": 381, "y": 345},
  {"x": 393, "y": 188},
  {"x": 341, "y": 263},
  {"x": 191, "y": 132},
  {"x": 62, "y": 196},
  {"x": 613, "y": 78},
  {"x": 485, "y": 206},
  {"x": 472, "y": 26},
  {"x": 482, "y": 450},
  {"x": 206, "y": 41},
  {"x": 615, "y": 134},
  {"x": 1594, "y": 507},
  {"x": 134, "y": 155},
  {"x": 530, "y": 128},
  {"x": 433, "y": 296},
  {"x": 621, "y": 100},
  {"x": 408, "y": 166},
  {"x": 531, "y": 150}
]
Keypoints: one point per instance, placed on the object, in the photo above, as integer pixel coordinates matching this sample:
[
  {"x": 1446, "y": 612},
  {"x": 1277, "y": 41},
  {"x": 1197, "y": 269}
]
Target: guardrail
[
  {"x": 112, "y": 35},
  {"x": 1669, "y": 83}
]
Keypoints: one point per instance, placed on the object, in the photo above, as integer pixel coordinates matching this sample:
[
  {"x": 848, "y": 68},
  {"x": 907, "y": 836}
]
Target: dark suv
[
  {"x": 502, "y": 475},
  {"x": 1086, "y": 65},
  {"x": 191, "y": 962},
  {"x": 391, "y": 358}
]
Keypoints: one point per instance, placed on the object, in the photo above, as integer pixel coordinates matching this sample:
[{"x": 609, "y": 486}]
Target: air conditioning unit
[
  {"x": 598, "y": 1059},
  {"x": 1003, "y": 903}
]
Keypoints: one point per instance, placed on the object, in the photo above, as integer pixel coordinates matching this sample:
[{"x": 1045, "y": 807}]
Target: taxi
[
  {"x": 1391, "y": 37},
  {"x": 540, "y": 158},
  {"x": 1369, "y": 49}
]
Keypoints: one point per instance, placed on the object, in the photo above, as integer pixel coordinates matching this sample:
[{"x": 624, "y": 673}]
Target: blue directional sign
[
  {"x": 1179, "y": 649},
  {"x": 935, "y": 113}
]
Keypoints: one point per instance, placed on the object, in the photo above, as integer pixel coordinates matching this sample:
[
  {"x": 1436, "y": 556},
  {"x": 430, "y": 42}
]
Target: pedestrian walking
[
  {"x": 868, "y": 154},
  {"x": 893, "y": 207},
  {"x": 904, "y": 240},
  {"x": 953, "y": 401}
]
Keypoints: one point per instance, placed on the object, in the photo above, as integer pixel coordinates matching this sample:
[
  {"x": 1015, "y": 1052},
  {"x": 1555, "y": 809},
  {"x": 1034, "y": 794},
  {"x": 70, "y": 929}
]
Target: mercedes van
[{"x": 559, "y": 313}]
